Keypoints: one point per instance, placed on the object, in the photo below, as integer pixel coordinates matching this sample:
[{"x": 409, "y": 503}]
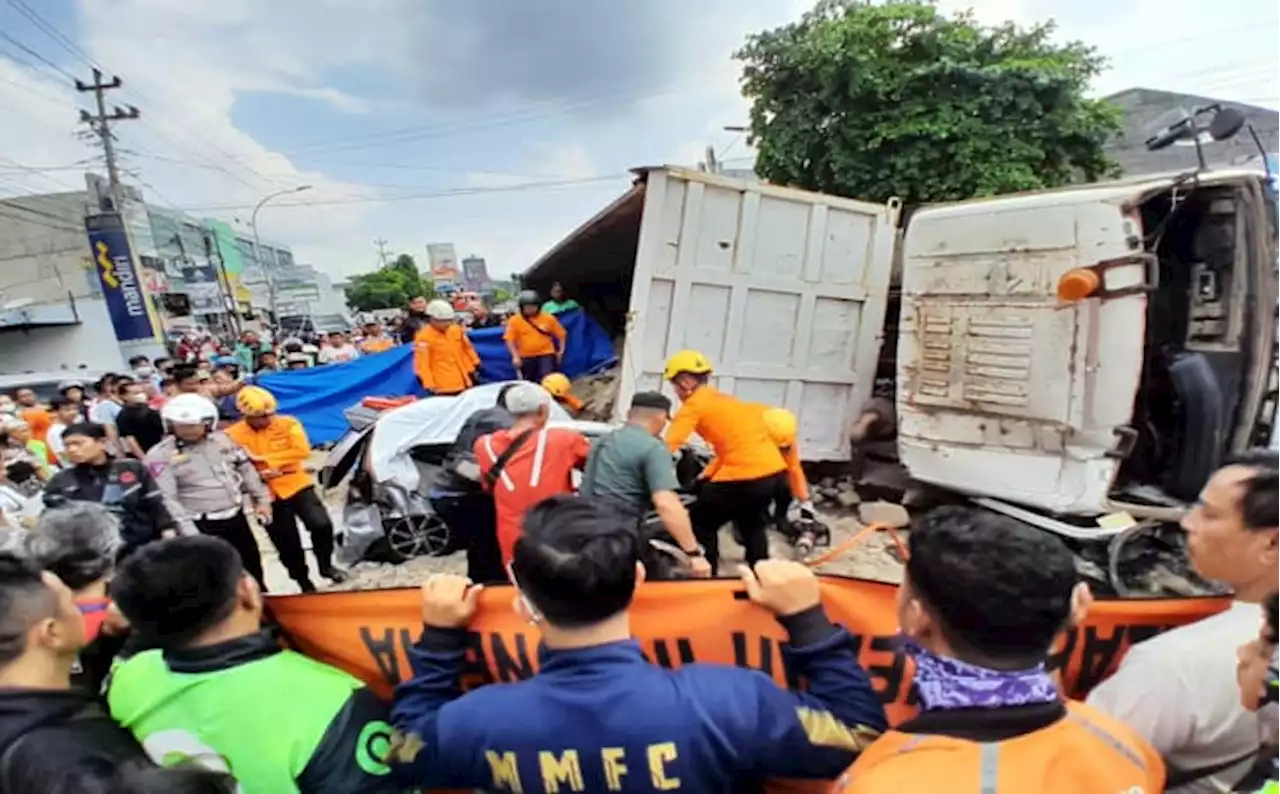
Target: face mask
[
  {"x": 145, "y": 372},
  {"x": 138, "y": 399}
]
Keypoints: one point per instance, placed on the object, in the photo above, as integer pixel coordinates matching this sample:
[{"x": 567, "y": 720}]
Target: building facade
[
  {"x": 196, "y": 272},
  {"x": 53, "y": 315}
]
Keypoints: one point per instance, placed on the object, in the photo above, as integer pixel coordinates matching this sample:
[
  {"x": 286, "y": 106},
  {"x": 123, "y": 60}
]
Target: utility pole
[
  {"x": 382, "y": 251},
  {"x": 712, "y": 166},
  {"x": 101, "y": 122}
]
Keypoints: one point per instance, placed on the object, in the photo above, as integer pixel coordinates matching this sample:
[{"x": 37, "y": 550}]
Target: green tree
[
  {"x": 893, "y": 98},
  {"x": 389, "y": 287}
]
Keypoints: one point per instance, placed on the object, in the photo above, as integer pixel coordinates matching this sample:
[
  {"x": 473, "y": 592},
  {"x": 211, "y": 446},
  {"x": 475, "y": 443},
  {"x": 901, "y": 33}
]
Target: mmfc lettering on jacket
[{"x": 562, "y": 771}]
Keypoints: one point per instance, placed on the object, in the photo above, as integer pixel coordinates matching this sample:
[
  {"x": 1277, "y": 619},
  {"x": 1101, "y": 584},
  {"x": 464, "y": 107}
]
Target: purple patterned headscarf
[{"x": 946, "y": 683}]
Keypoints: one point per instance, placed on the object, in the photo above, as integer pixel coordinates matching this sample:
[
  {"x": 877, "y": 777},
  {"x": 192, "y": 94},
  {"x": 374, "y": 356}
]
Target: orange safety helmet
[
  {"x": 255, "y": 401},
  {"x": 556, "y": 384}
]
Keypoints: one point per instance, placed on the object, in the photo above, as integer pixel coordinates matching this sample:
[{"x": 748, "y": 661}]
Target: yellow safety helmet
[
  {"x": 255, "y": 401},
  {"x": 557, "y": 384},
  {"x": 690, "y": 361},
  {"x": 782, "y": 426}
]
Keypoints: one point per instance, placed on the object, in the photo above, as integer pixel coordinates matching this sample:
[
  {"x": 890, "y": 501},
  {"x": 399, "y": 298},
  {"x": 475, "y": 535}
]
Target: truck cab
[{"x": 1089, "y": 350}]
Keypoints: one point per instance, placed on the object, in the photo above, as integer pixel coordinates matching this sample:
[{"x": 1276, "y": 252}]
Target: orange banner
[{"x": 366, "y": 633}]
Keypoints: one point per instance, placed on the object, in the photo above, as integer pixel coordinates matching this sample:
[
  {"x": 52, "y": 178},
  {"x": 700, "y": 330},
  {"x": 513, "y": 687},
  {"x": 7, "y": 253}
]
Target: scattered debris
[
  {"x": 848, "y": 498},
  {"x": 871, "y": 559},
  {"x": 894, "y": 515},
  {"x": 598, "y": 393}
]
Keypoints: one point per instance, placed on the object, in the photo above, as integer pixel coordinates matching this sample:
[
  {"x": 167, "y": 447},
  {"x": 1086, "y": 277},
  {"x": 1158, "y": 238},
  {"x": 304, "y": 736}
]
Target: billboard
[
  {"x": 202, "y": 286},
  {"x": 475, "y": 274},
  {"x": 443, "y": 262},
  {"x": 228, "y": 250},
  {"x": 132, "y": 315}
]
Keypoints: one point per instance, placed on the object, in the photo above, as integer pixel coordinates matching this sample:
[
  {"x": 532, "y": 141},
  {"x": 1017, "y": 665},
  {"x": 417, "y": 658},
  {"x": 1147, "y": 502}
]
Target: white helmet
[
  {"x": 189, "y": 409},
  {"x": 439, "y": 310}
]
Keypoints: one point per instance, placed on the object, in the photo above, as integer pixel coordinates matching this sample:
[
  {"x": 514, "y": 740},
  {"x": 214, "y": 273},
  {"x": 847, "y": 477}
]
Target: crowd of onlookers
[{"x": 114, "y": 659}]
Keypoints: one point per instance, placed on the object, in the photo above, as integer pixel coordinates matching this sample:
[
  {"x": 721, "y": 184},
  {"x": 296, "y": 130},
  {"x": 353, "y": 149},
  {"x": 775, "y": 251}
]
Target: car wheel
[{"x": 416, "y": 536}]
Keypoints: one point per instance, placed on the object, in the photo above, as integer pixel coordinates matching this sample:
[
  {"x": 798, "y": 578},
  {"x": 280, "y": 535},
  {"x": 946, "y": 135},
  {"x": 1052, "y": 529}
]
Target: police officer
[{"x": 205, "y": 477}]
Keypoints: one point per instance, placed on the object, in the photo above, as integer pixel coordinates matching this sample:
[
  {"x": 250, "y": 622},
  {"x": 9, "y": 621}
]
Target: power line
[
  {"x": 431, "y": 195},
  {"x": 553, "y": 108},
  {"x": 19, "y": 60},
  {"x": 397, "y": 166},
  {"x": 34, "y": 172},
  {"x": 60, "y": 224},
  {"x": 33, "y": 92},
  {"x": 160, "y": 193},
  {"x": 52, "y": 32},
  {"x": 67, "y": 44},
  {"x": 1195, "y": 37},
  {"x": 36, "y": 55}
]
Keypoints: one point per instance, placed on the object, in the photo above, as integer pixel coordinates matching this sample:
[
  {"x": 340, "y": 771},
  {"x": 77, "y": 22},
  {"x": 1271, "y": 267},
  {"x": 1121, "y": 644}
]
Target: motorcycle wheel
[{"x": 415, "y": 536}]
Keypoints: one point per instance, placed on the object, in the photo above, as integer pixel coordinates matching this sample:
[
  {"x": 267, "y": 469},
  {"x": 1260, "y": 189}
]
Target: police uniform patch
[{"x": 157, "y": 467}]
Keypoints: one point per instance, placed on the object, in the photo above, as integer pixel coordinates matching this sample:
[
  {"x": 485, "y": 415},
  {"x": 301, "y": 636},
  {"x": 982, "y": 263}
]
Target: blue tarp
[{"x": 318, "y": 396}]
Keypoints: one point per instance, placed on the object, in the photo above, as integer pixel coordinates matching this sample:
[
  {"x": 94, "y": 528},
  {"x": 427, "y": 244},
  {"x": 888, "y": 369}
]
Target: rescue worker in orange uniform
[
  {"x": 279, "y": 449},
  {"x": 750, "y": 469},
  {"x": 443, "y": 357},
  {"x": 535, "y": 338},
  {"x": 558, "y": 386},
  {"x": 983, "y": 598},
  {"x": 783, "y": 428}
]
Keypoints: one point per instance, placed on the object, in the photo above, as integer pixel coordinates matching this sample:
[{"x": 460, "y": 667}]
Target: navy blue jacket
[{"x": 604, "y": 719}]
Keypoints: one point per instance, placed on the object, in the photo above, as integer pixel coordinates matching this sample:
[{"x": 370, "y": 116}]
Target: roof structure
[{"x": 1146, "y": 110}]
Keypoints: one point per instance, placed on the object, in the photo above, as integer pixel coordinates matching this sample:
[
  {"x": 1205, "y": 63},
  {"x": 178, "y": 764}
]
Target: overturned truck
[{"x": 1080, "y": 359}]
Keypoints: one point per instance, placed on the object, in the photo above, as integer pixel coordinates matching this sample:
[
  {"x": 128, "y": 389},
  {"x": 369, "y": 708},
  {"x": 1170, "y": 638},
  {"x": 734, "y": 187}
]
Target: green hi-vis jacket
[{"x": 274, "y": 719}]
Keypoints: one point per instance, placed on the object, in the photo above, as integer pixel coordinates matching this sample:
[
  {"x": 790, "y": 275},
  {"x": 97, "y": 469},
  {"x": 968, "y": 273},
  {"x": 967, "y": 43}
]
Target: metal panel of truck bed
[{"x": 783, "y": 289}]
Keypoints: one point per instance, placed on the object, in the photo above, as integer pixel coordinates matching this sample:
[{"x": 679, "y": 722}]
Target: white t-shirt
[
  {"x": 17, "y": 506},
  {"x": 334, "y": 355},
  {"x": 1178, "y": 690},
  {"x": 54, "y": 439}
]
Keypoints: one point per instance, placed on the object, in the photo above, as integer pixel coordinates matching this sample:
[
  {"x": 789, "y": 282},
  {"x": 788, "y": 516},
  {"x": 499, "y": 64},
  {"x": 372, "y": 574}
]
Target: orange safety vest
[
  {"x": 796, "y": 478},
  {"x": 377, "y": 345},
  {"x": 538, "y": 336},
  {"x": 735, "y": 430},
  {"x": 444, "y": 360},
  {"x": 1084, "y": 751},
  {"x": 281, "y": 445}
]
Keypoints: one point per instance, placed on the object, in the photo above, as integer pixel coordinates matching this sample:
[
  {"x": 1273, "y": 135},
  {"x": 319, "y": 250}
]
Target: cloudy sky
[{"x": 498, "y": 125}]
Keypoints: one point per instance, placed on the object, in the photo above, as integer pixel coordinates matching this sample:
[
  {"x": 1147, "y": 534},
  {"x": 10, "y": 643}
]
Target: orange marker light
[{"x": 1078, "y": 284}]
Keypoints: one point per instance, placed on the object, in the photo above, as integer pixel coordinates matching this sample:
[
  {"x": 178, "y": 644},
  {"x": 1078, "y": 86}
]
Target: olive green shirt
[{"x": 628, "y": 466}]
